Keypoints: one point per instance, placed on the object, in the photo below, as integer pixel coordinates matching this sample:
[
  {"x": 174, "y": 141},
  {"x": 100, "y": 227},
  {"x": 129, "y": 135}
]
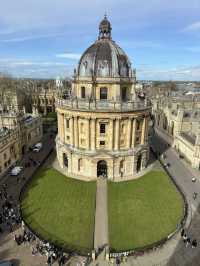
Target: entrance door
[{"x": 102, "y": 169}]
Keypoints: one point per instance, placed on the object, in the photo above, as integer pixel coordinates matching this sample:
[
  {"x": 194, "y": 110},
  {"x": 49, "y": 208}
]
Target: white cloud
[
  {"x": 193, "y": 27},
  {"x": 74, "y": 56},
  {"x": 32, "y": 37},
  {"x": 176, "y": 73}
]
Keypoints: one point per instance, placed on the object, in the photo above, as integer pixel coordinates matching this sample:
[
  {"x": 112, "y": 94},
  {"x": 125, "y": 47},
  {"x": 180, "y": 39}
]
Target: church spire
[{"x": 105, "y": 28}]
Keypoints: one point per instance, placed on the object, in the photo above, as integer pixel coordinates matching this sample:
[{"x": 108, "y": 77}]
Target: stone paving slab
[{"x": 101, "y": 215}]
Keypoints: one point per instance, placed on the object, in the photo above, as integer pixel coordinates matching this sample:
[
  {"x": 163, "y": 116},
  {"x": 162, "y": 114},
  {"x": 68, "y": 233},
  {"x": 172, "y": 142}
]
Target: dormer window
[{"x": 103, "y": 93}]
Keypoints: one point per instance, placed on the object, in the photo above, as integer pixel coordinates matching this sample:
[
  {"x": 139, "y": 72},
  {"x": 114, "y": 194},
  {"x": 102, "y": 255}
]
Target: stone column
[
  {"x": 76, "y": 135},
  {"x": 88, "y": 133},
  {"x": 129, "y": 133},
  {"x": 111, "y": 137},
  {"x": 72, "y": 130},
  {"x": 117, "y": 134},
  {"x": 62, "y": 128},
  {"x": 133, "y": 133},
  {"x": 143, "y": 131},
  {"x": 93, "y": 134}
]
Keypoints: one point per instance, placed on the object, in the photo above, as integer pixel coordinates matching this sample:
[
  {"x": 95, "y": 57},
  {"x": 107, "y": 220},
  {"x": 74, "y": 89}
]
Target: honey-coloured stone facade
[{"x": 103, "y": 126}]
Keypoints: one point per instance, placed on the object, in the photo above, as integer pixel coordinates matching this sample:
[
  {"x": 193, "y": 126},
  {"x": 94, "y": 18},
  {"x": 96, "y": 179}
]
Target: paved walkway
[{"x": 101, "y": 215}]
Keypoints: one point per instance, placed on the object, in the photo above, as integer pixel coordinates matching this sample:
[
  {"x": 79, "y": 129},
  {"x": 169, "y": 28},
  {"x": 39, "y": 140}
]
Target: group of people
[
  {"x": 187, "y": 240},
  {"x": 40, "y": 247},
  {"x": 10, "y": 213}
]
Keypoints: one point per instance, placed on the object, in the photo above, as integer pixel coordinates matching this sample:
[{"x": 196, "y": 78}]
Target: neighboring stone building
[
  {"x": 179, "y": 119},
  {"x": 29, "y": 128},
  {"x": 44, "y": 93},
  {"x": 9, "y": 148},
  {"x": 103, "y": 125},
  {"x": 43, "y": 97}
]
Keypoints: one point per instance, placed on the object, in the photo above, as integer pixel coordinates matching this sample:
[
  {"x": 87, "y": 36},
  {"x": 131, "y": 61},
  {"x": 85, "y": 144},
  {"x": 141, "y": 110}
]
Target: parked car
[
  {"x": 194, "y": 179},
  {"x": 16, "y": 170},
  {"x": 6, "y": 263},
  {"x": 37, "y": 147}
]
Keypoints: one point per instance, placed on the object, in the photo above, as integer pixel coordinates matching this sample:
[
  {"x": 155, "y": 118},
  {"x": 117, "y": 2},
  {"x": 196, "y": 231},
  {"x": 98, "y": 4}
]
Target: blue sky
[{"x": 45, "y": 38}]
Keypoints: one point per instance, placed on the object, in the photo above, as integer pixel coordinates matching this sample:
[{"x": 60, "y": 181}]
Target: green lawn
[
  {"x": 61, "y": 209},
  {"x": 142, "y": 211}
]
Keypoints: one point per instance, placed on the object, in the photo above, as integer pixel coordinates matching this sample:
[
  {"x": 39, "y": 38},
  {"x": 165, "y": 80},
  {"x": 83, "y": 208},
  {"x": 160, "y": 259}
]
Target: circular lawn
[
  {"x": 60, "y": 210},
  {"x": 143, "y": 211}
]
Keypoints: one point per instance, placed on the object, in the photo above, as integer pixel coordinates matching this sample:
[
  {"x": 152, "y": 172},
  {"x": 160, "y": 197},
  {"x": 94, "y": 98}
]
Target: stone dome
[{"x": 104, "y": 58}]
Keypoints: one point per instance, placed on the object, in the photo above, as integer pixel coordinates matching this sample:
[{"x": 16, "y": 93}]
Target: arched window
[
  {"x": 65, "y": 159},
  {"x": 103, "y": 93}
]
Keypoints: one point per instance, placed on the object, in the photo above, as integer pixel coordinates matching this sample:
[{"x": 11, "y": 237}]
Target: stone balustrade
[{"x": 95, "y": 105}]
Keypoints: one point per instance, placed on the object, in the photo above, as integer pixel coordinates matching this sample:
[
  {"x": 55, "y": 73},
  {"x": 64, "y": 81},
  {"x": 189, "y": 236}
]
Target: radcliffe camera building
[{"x": 103, "y": 125}]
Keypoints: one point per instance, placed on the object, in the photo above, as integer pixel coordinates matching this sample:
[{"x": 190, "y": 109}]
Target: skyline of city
[{"x": 46, "y": 39}]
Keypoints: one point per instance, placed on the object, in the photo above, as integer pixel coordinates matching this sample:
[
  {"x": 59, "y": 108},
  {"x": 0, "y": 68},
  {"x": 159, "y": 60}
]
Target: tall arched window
[{"x": 103, "y": 93}]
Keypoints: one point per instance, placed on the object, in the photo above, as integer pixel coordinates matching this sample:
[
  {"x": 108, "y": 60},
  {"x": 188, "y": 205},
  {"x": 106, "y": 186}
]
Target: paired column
[
  {"x": 133, "y": 133},
  {"x": 88, "y": 133},
  {"x": 62, "y": 131},
  {"x": 93, "y": 134},
  {"x": 72, "y": 130},
  {"x": 129, "y": 133},
  {"x": 111, "y": 137},
  {"x": 117, "y": 134},
  {"x": 76, "y": 132},
  {"x": 143, "y": 131}
]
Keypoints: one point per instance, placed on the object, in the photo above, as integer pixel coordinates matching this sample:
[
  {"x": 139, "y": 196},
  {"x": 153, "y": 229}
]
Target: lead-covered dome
[{"x": 104, "y": 58}]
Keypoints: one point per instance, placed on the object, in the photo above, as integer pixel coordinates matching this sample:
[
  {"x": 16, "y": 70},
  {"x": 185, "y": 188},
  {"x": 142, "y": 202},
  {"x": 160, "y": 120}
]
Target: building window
[
  {"x": 68, "y": 137},
  {"x": 138, "y": 125},
  {"x": 82, "y": 92},
  {"x": 80, "y": 164},
  {"x": 67, "y": 123},
  {"x": 137, "y": 140},
  {"x": 4, "y": 156},
  {"x": 65, "y": 160},
  {"x": 103, "y": 93},
  {"x": 124, "y": 94},
  {"x": 102, "y": 128},
  {"x": 102, "y": 143}
]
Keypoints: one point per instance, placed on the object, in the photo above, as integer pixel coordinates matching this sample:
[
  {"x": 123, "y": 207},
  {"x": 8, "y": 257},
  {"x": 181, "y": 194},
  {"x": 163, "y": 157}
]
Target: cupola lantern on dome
[
  {"x": 105, "y": 29},
  {"x": 104, "y": 58}
]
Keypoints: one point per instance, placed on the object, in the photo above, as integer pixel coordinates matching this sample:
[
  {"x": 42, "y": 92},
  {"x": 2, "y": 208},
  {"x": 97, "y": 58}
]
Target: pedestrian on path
[
  {"x": 194, "y": 243},
  {"x": 194, "y": 195},
  {"x": 182, "y": 232},
  {"x": 188, "y": 241}
]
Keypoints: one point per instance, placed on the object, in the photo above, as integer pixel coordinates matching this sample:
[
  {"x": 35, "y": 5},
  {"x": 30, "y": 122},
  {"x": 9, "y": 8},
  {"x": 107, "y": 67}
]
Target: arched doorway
[
  {"x": 102, "y": 169},
  {"x": 139, "y": 161}
]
